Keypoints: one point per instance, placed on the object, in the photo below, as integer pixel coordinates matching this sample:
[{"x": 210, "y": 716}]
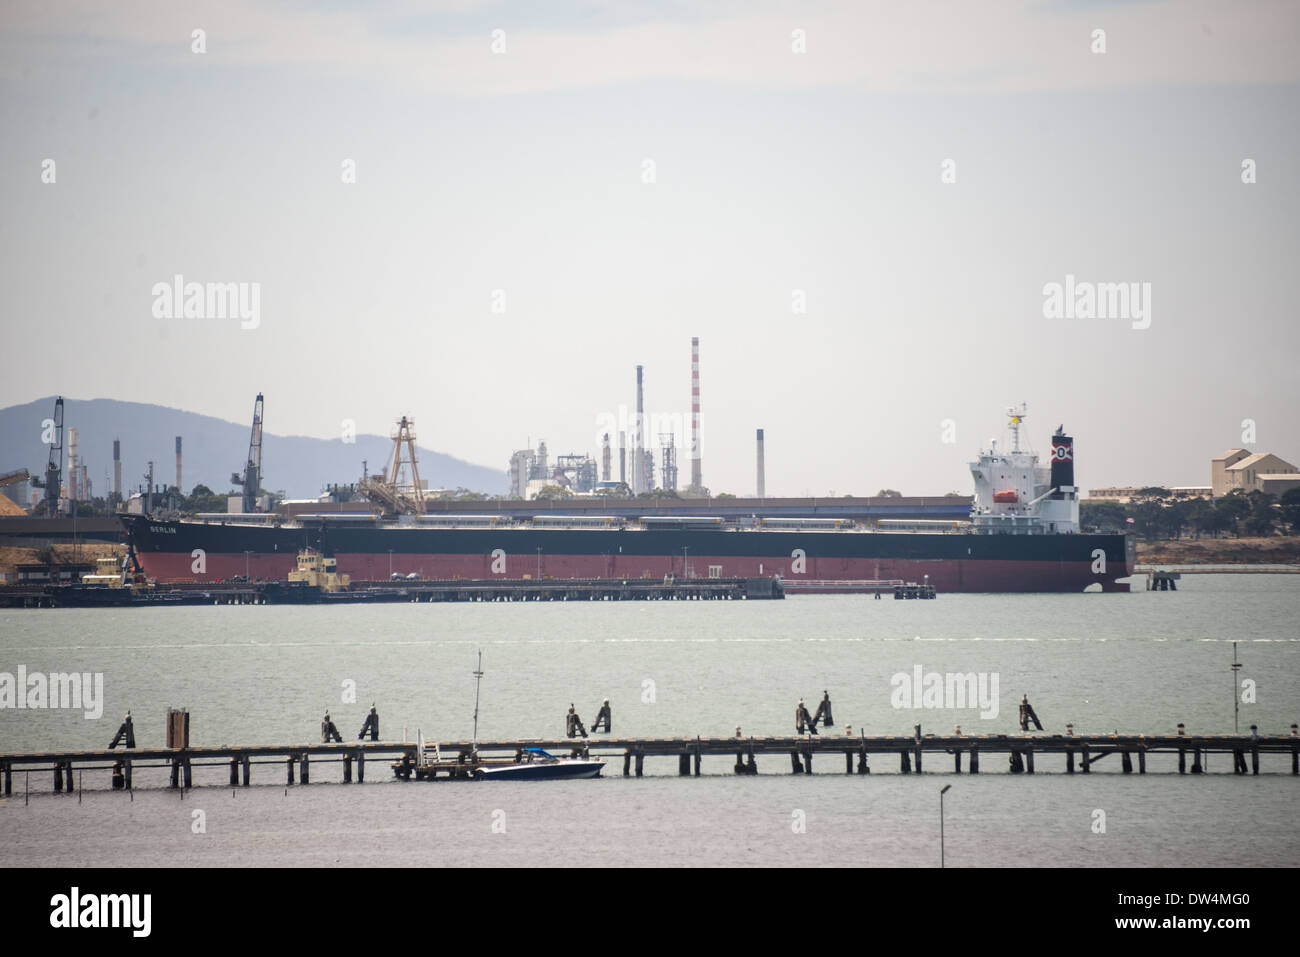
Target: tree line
[{"x": 1156, "y": 513}]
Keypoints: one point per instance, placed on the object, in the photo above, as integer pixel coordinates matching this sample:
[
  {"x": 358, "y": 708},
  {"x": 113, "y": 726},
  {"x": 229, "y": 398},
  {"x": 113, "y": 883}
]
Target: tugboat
[{"x": 319, "y": 571}]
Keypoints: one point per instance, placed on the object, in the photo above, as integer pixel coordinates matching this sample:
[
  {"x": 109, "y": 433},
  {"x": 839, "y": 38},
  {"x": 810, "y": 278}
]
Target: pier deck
[{"x": 458, "y": 759}]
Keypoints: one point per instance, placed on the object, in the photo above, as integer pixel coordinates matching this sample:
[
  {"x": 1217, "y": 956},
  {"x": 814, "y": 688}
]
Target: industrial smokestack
[
  {"x": 179, "y": 486},
  {"x": 697, "y": 479},
  {"x": 622, "y": 457},
  {"x": 638, "y": 437},
  {"x": 117, "y": 469},
  {"x": 74, "y": 467},
  {"x": 762, "y": 483},
  {"x": 604, "y": 458}
]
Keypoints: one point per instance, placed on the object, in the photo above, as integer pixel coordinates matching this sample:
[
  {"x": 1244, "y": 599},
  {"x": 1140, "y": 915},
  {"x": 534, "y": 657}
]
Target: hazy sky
[{"x": 515, "y": 179}]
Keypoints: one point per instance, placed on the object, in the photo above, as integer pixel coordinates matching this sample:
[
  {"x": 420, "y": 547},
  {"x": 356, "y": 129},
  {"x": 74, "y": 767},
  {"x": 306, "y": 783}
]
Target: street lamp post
[
  {"x": 1236, "y": 693},
  {"x": 945, "y": 790}
]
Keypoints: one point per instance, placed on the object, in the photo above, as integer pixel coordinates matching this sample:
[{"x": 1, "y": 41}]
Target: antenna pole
[
  {"x": 478, "y": 679},
  {"x": 1236, "y": 699}
]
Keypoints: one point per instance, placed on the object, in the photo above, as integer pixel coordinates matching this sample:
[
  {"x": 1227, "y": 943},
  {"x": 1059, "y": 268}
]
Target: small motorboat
[{"x": 534, "y": 764}]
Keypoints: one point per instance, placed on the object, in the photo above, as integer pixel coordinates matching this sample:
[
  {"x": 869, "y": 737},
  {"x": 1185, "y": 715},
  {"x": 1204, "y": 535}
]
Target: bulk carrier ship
[{"x": 1022, "y": 535}]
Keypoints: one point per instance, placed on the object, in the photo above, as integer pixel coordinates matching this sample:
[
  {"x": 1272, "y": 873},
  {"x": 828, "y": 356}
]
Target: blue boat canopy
[{"x": 539, "y": 751}]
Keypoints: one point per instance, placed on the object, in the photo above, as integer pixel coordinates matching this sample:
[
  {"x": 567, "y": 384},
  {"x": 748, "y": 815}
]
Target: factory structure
[{"x": 640, "y": 469}]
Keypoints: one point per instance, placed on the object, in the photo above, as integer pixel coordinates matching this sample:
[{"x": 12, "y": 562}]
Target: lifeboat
[{"x": 1006, "y": 497}]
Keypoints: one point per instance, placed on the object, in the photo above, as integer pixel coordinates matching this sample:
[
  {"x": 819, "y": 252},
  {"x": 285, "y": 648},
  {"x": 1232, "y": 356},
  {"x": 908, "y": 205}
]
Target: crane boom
[{"x": 251, "y": 480}]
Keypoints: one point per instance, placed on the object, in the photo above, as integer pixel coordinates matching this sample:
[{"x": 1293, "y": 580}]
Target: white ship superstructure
[{"x": 1013, "y": 495}]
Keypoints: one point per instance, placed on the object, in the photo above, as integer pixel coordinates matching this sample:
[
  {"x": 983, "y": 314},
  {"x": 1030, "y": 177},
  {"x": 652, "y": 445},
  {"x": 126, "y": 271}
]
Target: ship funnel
[{"x": 1062, "y": 462}]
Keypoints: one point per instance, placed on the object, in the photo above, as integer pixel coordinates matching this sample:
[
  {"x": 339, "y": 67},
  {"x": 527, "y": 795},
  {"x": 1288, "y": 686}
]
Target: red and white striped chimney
[{"x": 697, "y": 480}]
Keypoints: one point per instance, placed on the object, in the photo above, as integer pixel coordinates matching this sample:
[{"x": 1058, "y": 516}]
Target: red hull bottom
[{"x": 945, "y": 575}]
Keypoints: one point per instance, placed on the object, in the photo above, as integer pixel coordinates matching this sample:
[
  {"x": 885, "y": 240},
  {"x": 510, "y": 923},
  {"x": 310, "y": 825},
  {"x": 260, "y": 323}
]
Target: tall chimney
[
  {"x": 622, "y": 457},
  {"x": 697, "y": 480},
  {"x": 179, "y": 487},
  {"x": 604, "y": 458},
  {"x": 74, "y": 470},
  {"x": 638, "y": 437},
  {"x": 117, "y": 469},
  {"x": 762, "y": 484}
]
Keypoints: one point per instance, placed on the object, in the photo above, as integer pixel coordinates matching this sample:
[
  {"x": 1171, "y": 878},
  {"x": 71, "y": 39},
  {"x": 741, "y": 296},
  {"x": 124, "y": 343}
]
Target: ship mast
[{"x": 1017, "y": 415}]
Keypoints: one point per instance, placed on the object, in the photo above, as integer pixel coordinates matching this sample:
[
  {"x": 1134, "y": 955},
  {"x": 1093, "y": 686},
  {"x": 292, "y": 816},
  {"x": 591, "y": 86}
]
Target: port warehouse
[{"x": 40, "y": 531}]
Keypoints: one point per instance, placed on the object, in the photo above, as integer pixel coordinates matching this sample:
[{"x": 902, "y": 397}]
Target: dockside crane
[
  {"x": 251, "y": 480},
  {"x": 53, "y": 482}
]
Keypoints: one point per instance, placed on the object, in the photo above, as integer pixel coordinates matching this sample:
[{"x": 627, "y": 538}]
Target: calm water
[{"x": 1138, "y": 663}]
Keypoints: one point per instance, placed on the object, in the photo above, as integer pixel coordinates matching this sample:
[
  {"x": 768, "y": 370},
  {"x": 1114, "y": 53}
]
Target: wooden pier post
[
  {"x": 795, "y": 766},
  {"x": 1182, "y": 755},
  {"x": 126, "y": 772},
  {"x": 189, "y": 780},
  {"x": 304, "y": 768},
  {"x": 918, "y": 748},
  {"x": 288, "y": 763},
  {"x": 904, "y": 762},
  {"x": 1295, "y": 749},
  {"x": 361, "y": 766},
  {"x": 627, "y": 764},
  {"x": 58, "y": 778},
  {"x": 1126, "y": 761},
  {"x": 1016, "y": 764},
  {"x": 347, "y": 769},
  {"x": 1069, "y": 761},
  {"x": 848, "y": 762},
  {"x": 807, "y": 761},
  {"x": 1029, "y": 760},
  {"x": 1142, "y": 761},
  {"x": 9, "y": 779},
  {"x": 247, "y": 769},
  {"x": 1254, "y": 749},
  {"x": 640, "y": 762},
  {"x": 1087, "y": 761},
  {"x": 1196, "y": 761},
  {"x": 176, "y": 773},
  {"x": 697, "y": 759},
  {"x": 974, "y": 761},
  {"x": 684, "y": 764},
  {"x": 956, "y": 760},
  {"x": 234, "y": 772},
  {"x": 67, "y": 770}
]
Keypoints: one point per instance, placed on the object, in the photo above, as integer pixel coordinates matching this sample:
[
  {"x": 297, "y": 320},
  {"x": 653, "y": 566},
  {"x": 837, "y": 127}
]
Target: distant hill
[{"x": 213, "y": 449}]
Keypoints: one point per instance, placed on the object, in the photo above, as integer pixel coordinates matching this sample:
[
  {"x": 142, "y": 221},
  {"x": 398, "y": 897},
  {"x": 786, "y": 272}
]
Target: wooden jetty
[
  {"x": 1163, "y": 580},
  {"x": 457, "y": 759},
  {"x": 899, "y": 587},
  {"x": 382, "y": 592}
]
